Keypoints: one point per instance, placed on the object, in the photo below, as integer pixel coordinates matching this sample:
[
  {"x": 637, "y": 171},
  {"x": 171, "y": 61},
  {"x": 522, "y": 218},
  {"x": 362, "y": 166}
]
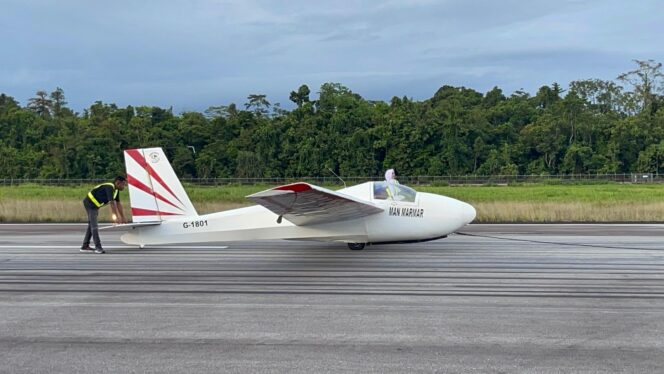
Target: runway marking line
[{"x": 109, "y": 247}]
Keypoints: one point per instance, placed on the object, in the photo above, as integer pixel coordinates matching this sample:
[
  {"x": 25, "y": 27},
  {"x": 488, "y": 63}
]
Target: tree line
[{"x": 592, "y": 126}]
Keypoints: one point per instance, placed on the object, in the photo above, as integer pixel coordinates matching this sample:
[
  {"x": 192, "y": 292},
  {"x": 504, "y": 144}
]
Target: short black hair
[{"x": 120, "y": 178}]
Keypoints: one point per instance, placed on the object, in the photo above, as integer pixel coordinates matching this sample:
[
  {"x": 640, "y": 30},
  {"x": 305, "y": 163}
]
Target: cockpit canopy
[{"x": 395, "y": 191}]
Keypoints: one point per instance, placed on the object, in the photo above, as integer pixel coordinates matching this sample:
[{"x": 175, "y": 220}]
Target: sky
[{"x": 193, "y": 54}]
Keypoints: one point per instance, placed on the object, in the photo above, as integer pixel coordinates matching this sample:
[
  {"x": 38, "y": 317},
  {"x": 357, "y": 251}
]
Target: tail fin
[{"x": 155, "y": 192}]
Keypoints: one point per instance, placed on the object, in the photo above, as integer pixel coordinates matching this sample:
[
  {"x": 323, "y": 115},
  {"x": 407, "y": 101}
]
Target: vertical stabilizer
[{"x": 155, "y": 192}]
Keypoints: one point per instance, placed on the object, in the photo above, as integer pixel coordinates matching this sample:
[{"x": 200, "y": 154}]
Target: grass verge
[{"x": 522, "y": 203}]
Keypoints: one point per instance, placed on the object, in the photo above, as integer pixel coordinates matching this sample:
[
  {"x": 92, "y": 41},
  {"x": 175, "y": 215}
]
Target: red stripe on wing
[
  {"x": 141, "y": 186},
  {"x": 149, "y": 212},
  {"x": 295, "y": 187},
  {"x": 138, "y": 157}
]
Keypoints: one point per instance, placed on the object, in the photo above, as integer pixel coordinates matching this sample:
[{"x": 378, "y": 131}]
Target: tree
[
  {"x": 647, "y": 79},
  {"x": 301, "y": 96},
  {"x": 58, "y": 102},
  {"x": 221, "y": 111},
  {"x": 479, "y": 149},
  {"x": 546, "y": 139},
  {"x": 546, "y": 96},
  {"x": 493, "y": 97},
  {"x": 596, "y": 126},
  {"x": 248, "y": 165},
  {"x": 7, "y": 103},
  {"x": 600, "y": 95},
  {"x": 628, "y": 137},
  {"x": 259, "y": 104},
  {"x": 651, "y": 159},
  {"x": 576, "y": 159},
  {"x": 40, "y": 104}
]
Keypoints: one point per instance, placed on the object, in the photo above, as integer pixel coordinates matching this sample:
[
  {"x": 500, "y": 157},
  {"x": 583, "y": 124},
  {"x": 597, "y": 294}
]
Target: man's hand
[
  {"x": 116, "y": 214},
  {"x": 121, "y": 216},
  {"x": 118, "y": 220}
]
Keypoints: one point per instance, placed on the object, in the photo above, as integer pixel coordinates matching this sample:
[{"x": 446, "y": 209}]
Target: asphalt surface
[{"x": 505, "y": 300}]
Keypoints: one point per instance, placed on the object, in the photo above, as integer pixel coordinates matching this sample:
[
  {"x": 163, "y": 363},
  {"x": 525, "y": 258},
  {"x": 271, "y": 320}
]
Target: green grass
[
  {"x": 519, "y": 203},
  {"x": 232, "y": 193},
  {"x": 594, "y": 193},
  {"x": 604, "y": 193},
  {"x": 229, "y": 193},
  {"x": 37, "y": 192}
]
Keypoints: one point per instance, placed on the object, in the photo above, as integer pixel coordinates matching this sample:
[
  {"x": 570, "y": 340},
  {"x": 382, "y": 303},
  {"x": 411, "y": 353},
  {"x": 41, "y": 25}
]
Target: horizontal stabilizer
[
  {"x": 129, "y": 226},
  {"x": 306, "y": 204}
]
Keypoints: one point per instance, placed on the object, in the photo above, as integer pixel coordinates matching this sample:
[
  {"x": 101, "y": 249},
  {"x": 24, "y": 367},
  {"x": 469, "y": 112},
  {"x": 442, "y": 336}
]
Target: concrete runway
[{"x": 594, "y": 303}]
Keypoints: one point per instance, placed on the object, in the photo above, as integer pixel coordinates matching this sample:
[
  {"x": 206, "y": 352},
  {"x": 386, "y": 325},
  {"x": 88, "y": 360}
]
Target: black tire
[{"x": 356, "y": 246}]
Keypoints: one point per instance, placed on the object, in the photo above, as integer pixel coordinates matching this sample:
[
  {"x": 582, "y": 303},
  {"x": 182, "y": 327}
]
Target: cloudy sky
[{"x": 197, "y": 53}]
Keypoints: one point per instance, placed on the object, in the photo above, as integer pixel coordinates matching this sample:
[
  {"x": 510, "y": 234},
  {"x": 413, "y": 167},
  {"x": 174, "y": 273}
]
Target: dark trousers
[{"x": 93, "y": 229}]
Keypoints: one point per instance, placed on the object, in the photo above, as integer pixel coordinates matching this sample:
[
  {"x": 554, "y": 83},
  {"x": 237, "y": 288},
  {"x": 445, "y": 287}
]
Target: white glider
[{"x": 363, "y": 214}]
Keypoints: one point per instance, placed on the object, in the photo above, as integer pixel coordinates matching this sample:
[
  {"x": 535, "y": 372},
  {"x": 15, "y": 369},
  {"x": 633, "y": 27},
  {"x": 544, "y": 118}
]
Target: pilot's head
[{"x": 390, "y": 174}]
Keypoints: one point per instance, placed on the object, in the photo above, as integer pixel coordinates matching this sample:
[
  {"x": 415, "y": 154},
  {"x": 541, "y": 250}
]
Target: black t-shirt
[{"x": 104, "y": 194}]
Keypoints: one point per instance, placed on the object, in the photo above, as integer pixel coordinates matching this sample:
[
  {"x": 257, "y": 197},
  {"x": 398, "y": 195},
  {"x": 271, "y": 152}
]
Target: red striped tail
[{"x": 155, "y": 192}]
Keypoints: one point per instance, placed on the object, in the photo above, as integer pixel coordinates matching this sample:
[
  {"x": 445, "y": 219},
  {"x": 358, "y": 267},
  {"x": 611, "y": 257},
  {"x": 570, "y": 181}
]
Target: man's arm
[
  {"x": 121, "y": 211},
  {"x": 116, "y": 207},
  {"x": 114, "y": 210},
  {"x": 112, "y": 203}
]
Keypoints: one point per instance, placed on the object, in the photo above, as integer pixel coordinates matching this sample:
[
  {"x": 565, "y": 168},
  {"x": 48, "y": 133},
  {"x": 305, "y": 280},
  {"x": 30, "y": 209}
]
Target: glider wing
[{"x": 305, "y": 204}]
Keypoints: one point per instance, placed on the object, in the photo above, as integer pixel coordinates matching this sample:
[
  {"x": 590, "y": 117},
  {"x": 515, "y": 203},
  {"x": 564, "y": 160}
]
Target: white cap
[{"x": 389, "y": 175}]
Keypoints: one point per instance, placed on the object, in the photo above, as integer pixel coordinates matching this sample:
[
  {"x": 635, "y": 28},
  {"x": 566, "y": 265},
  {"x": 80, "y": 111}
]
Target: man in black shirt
[{"x": 97, "y": 198}]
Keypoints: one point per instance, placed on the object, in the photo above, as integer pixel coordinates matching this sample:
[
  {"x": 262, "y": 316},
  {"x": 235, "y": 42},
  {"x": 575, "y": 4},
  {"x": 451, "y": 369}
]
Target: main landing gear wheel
[{"x": 356, "y": 246}]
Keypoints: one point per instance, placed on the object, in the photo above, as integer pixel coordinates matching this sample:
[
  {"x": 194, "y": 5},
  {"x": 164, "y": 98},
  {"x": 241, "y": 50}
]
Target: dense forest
[{"x": 592, "y": 126}]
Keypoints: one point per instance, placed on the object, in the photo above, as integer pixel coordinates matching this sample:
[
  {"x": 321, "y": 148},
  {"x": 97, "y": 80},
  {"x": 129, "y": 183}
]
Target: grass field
[{"x": 520, "y": 203}]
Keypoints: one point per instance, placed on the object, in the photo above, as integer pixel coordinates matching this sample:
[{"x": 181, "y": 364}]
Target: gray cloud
[{"x": 192, "y": 54}]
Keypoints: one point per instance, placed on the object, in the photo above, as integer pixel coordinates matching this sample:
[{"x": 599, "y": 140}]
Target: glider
[{"x": 367, "y": 213}]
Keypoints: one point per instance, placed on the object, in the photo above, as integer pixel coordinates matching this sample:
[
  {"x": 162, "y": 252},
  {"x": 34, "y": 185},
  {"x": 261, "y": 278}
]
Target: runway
[{"x": 504, "y": 300}]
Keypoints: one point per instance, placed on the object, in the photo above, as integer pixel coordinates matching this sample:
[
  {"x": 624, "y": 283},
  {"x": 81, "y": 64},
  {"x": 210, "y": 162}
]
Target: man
[
  {"x": 97, "y": 198},
  {"x": 391, "y": 179}
]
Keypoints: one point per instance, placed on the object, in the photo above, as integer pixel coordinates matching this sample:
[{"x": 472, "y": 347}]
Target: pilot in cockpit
[
  {"x": 390, "y": 189},
  {"x": 391, "y": 180}
]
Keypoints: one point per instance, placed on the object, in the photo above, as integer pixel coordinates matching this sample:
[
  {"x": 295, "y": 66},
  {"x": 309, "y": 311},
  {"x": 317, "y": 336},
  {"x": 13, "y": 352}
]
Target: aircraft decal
[
  {"x": 396, "y": 211},
  {"x": 141, "y": 186},
  {"x": 138, "y": 157}
]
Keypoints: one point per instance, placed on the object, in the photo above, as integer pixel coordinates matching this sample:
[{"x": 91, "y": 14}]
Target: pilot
[{"x": 391, "y": 180}]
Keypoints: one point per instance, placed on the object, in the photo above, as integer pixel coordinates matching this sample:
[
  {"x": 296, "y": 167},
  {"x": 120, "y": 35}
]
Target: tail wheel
[{"x": 356, "y": 246}]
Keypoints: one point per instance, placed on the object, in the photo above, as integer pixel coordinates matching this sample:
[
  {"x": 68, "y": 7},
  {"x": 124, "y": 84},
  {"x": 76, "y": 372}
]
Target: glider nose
[{"x": 468, "y": 212}]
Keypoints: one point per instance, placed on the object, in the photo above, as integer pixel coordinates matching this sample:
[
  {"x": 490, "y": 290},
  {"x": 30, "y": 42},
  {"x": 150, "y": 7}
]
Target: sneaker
[
  {"x": 100, "y": 250},
  {"x": 86, "y": 249}
]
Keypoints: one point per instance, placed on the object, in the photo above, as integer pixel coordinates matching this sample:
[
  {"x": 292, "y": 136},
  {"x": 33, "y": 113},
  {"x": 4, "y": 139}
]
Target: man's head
[
  {"x": 390, "y": 175},
  {"x": 120, "y": 182}
]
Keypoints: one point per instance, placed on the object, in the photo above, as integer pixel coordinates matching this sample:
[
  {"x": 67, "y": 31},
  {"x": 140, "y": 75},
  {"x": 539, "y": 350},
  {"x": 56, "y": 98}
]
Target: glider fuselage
[{"x": 428, "y": 216}]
